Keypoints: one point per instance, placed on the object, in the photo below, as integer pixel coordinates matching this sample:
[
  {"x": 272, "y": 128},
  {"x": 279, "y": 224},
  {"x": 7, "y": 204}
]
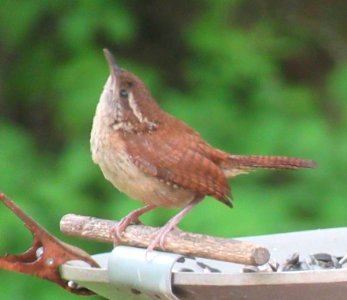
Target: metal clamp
[
  {"x": 151, "y": 277},
  {"x": 127, "y": 273},
  {"x": 47, "y": 253}
]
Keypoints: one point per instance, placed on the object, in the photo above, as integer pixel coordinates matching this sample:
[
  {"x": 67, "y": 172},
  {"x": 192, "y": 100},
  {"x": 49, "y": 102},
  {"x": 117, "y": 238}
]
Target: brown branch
[{"x": 176, "y": 241}]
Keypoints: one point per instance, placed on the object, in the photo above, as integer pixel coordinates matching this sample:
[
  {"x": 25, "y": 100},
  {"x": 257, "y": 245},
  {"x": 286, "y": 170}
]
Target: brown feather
[
  {"x": 239, "y": 164},
  {"x": 176, "y": 159}
]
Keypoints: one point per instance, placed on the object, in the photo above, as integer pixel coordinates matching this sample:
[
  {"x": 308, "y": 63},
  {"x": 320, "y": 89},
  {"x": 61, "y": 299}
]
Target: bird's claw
[
  {"x": 118, "y": 229},
  {"x": 159, "y": 238}
]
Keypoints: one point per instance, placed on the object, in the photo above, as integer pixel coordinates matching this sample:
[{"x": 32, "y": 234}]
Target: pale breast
[{"x": 117, "y": 167}]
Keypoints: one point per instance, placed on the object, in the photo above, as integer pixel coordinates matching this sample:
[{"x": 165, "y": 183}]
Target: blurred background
[{"x": 253, "y": 77}]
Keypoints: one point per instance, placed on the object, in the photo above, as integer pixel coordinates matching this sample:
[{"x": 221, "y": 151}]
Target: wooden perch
[{"x": 177, "y": 241}]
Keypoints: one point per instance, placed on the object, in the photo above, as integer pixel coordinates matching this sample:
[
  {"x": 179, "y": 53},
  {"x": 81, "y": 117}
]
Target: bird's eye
[{"x": 123, "y": 93}]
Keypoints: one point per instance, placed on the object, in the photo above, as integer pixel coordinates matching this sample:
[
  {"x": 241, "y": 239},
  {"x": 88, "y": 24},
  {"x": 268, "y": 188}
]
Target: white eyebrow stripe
[{"x": 135, "y": 109}]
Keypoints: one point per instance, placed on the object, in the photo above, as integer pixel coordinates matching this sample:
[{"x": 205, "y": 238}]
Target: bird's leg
[
  {"x": 159, "y": 237},
  {"x": 131, "y": 217}
]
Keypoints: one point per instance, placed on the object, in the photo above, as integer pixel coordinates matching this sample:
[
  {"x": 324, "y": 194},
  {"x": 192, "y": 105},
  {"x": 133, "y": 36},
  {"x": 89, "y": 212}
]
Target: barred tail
[
  {"x": 239, "y": 164},
  {"x": 271, "y": 162}
]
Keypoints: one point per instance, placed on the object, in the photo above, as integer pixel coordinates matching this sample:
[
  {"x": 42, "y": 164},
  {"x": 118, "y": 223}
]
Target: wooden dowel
[{"x": 177, "y": 241}]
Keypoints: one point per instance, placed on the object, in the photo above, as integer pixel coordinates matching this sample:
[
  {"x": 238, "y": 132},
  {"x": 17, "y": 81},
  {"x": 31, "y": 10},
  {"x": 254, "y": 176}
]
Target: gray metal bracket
[
  {"x": 150, "y": 276},
  {"x": 126, "y": 274}
]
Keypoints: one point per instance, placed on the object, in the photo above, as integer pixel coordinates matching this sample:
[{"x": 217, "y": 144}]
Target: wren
[{"x": 155, "y": 158}]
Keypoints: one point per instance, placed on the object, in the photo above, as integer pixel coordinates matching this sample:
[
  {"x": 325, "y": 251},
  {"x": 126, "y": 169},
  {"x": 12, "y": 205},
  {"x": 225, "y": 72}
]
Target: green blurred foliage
[{"x": 254, "y": 77}]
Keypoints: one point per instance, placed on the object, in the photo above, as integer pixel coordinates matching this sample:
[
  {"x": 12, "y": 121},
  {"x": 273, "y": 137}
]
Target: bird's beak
[{"x": 115, "y": 70}]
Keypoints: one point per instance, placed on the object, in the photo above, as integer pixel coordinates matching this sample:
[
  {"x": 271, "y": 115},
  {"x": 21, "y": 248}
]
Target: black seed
[
  {"x": 135, "y": 291},
  {"x": 250, "y": 269}
]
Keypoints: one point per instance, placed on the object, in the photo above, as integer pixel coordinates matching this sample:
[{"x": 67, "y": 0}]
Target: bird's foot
[
  {"x": 133, "y": 217},
  {"x": 118, "y": 229},
  {"x": 160, "y": 235},
  {"x": 158, "y": 238}
]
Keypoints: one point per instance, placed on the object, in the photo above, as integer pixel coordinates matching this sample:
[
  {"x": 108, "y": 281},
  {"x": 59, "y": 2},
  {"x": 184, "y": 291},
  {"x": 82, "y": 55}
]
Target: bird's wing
[{"x": 176, "y": 159}]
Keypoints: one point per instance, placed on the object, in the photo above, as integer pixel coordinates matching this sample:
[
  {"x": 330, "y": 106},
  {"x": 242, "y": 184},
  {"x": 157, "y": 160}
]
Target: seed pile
[{"x": 318, "y": 261}]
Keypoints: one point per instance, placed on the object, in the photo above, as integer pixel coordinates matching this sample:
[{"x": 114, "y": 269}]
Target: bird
[{"x": 155, "y": 158}]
